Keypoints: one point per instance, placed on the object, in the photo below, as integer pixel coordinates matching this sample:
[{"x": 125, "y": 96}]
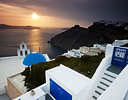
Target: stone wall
[{"x": 12, "y": 90}]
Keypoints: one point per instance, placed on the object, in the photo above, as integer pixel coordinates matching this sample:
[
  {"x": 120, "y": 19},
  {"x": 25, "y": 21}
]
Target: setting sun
[{"x": 35, "y": 16}]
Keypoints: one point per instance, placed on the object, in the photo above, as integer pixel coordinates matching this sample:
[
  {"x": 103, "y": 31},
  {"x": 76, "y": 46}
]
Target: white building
[
  {"x": 91, "y": 51},
  {"x": 84, "y": 49},
  {"x": 73, "y": 53},
  {"x": 110, "y": 81},
  {"x": 100, "y": 46}
]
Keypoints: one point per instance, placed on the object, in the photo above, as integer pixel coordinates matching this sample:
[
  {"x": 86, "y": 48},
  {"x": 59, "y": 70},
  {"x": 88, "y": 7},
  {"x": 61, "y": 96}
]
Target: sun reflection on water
[{"x": 35, "y": 40}]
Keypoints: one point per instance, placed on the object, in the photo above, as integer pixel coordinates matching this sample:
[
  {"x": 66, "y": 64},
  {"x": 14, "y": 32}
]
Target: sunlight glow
[{"x": 35, "y": 16}]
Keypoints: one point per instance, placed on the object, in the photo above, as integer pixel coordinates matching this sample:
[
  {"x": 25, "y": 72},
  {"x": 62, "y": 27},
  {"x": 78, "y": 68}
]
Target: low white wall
[
  {"x": 39, "y": 94},
  {"x": 118, "y": 88},
  {"x": 105, "y": 63},
  {"x": 10, "y": 57},
  {"x": 109, "y": 51},
  {"x": 44, "y": 87}
]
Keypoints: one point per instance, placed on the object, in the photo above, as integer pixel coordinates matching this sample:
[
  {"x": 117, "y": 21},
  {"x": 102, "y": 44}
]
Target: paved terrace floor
[
  {"x": 4, "y": 97},
  {"x": 9, "y": 66}
]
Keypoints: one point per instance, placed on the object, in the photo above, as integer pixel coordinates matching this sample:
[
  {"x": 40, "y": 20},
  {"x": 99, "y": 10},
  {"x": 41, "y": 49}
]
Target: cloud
[{"x": 81, "y": 10}]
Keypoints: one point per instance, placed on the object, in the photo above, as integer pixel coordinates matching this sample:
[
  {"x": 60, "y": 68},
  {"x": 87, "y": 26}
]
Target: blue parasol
[{"x": 33, "y": 58}]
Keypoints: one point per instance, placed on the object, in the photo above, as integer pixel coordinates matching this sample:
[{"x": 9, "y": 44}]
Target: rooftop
[
  {"x": 70, "y": 78},
  {"x": 9, "y": 66}
]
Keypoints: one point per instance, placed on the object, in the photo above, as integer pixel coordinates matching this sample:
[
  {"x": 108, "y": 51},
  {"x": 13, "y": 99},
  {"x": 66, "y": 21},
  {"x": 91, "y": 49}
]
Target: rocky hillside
[{"x": 100, "y": 32}]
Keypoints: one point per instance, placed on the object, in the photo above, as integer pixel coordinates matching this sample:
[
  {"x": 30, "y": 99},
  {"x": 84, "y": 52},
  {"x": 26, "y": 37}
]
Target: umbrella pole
[{"x": 29, "y": 67}]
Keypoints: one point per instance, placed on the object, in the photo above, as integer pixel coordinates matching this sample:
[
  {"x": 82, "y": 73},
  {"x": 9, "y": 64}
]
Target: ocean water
[{"x": 10, "y": 39}]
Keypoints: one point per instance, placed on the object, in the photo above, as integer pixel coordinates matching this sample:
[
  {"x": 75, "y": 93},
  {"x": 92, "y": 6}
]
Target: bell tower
[{"x": 23, "y": 51}]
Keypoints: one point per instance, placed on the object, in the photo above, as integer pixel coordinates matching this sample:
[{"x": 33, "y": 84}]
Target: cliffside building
[
  {"x": 100, "y": 46},
  {"x": 90, "y": 51},
  {"x": 108, "y": 83},
  {"x": 73, "y": 53}
]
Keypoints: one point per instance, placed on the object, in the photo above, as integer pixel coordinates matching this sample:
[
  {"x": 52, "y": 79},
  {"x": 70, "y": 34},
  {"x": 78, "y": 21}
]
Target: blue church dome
[{"x": 33, "y": 58}]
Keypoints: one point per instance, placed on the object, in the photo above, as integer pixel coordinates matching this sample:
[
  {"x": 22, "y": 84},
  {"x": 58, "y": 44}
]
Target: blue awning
[{"x": 33, "y": 58}]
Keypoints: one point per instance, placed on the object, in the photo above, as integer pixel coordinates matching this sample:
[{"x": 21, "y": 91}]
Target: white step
[
  {"x": 103, "y": 86},
  {"x": 109, "y": 78},
  {"x": 105, "y": 81},
  {"x": 110, "y": 73},
  {"x": 96, "y": 95},
  {"x": 94, "y": 98},
  {"x": 99, "y": 90}
]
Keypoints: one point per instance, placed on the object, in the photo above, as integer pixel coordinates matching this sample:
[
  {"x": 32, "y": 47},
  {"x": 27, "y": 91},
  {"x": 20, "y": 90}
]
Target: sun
[{"x": 35, "y": 16}]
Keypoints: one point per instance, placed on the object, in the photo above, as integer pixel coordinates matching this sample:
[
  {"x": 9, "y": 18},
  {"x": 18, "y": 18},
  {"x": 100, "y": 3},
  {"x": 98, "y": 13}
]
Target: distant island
[
  {"x": 100, "y": 32},
  {"x": 4, "y": 26}
]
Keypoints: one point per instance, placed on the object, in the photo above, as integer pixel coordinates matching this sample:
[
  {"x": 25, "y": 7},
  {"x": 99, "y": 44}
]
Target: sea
[{"x": 36, "y": 39}]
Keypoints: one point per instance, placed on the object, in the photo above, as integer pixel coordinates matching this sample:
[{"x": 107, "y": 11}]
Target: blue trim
[{"x": 58, "y": 92}]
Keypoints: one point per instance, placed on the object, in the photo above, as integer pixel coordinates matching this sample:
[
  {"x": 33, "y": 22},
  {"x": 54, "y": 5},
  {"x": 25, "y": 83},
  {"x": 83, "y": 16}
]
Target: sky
[{"x": 62, "y": 13}]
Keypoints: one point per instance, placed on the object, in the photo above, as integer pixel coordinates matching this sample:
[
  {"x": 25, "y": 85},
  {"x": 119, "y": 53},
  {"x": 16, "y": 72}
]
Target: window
[
  {"x": 26, "y": 52},
  {"x": 22, "y": 46},
  {"x": 21, "y": 53}
]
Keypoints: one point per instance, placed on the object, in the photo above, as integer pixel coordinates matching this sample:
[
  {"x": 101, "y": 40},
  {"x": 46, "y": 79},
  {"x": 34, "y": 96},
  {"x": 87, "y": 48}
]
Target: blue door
[
  {"x": 58, "y": 92},
  {"x": 120, "y": 57}
]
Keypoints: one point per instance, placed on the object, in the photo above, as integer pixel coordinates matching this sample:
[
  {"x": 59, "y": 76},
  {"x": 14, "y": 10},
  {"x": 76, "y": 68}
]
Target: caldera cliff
[{"x": 100, "y": 32}]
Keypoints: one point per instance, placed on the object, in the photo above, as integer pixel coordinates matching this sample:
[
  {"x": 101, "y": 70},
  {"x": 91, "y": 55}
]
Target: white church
[{"x": 110, "y": 81}]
